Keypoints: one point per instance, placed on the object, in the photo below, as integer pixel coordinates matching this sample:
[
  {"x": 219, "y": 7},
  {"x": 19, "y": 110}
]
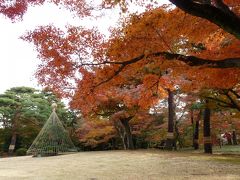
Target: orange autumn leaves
[
  {"x": 15, "y": 9},
  {"x": 62, "y": 53},
  {"x": 67, "y": 58},
  {"x": 163, "y": 30}
]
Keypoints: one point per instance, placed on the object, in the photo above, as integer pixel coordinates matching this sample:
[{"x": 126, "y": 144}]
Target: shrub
[{"x": 21, "y": 152}]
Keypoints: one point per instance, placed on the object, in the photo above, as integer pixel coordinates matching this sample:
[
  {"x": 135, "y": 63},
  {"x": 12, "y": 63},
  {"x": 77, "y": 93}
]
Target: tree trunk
[
  {"x": 129, "y": 138},
  {"x": 207, "y": 130},
  {"x": 13, "y": 143},
  {"x": 123, "y": 138},
  {"x": 177, "y": 136},
  {"x": 234, "y": 138},
  {"x": 14, "y": 132},
  {"x": 196, "y": 132},
  {"x": 121, "y": 132},
  {"x": 193, "y": 125},
  {"x": 13, "y": 138},
  {"x": 170, "y": 142}
]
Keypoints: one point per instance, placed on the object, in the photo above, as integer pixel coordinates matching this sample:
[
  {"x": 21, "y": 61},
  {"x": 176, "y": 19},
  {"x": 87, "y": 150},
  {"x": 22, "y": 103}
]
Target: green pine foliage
[{"x": 23, "y": 112}]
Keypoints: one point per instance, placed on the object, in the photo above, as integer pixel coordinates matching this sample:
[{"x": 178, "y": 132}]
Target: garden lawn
[{"x": 129, "y": 165}]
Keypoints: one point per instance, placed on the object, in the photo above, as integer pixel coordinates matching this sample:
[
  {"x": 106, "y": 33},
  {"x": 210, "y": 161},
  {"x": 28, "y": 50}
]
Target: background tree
[{"x": 23, "y": 111}]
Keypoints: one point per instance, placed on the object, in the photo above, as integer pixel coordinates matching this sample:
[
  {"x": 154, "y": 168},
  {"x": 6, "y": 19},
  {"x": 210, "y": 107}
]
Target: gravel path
[{"x": 118, "y": 165}]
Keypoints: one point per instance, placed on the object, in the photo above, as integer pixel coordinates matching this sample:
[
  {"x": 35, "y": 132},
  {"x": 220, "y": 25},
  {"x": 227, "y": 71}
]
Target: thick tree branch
[
  {"x": 223, "y": 17},
  {"x": 190, "y": 60},
  {"x": 196, "y": 61}
]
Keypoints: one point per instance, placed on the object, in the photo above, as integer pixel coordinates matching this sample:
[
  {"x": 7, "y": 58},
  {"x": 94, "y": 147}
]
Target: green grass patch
[{"x": 227, "y": 149}]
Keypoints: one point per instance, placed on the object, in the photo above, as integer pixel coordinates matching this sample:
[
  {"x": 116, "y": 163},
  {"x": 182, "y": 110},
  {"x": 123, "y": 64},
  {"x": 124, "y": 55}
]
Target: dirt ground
[{"x": 121, "y": 165}]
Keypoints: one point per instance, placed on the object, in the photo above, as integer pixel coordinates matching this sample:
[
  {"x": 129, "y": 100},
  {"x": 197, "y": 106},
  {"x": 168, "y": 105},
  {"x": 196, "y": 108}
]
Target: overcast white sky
[{"x": 18, "y": 60}]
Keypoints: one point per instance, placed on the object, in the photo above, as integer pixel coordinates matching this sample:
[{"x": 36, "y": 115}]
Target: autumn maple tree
[
  {"x": 192, "y": 47},
  {"x": 119, "y": 103},
  {"x": 143, "y": 53}
]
